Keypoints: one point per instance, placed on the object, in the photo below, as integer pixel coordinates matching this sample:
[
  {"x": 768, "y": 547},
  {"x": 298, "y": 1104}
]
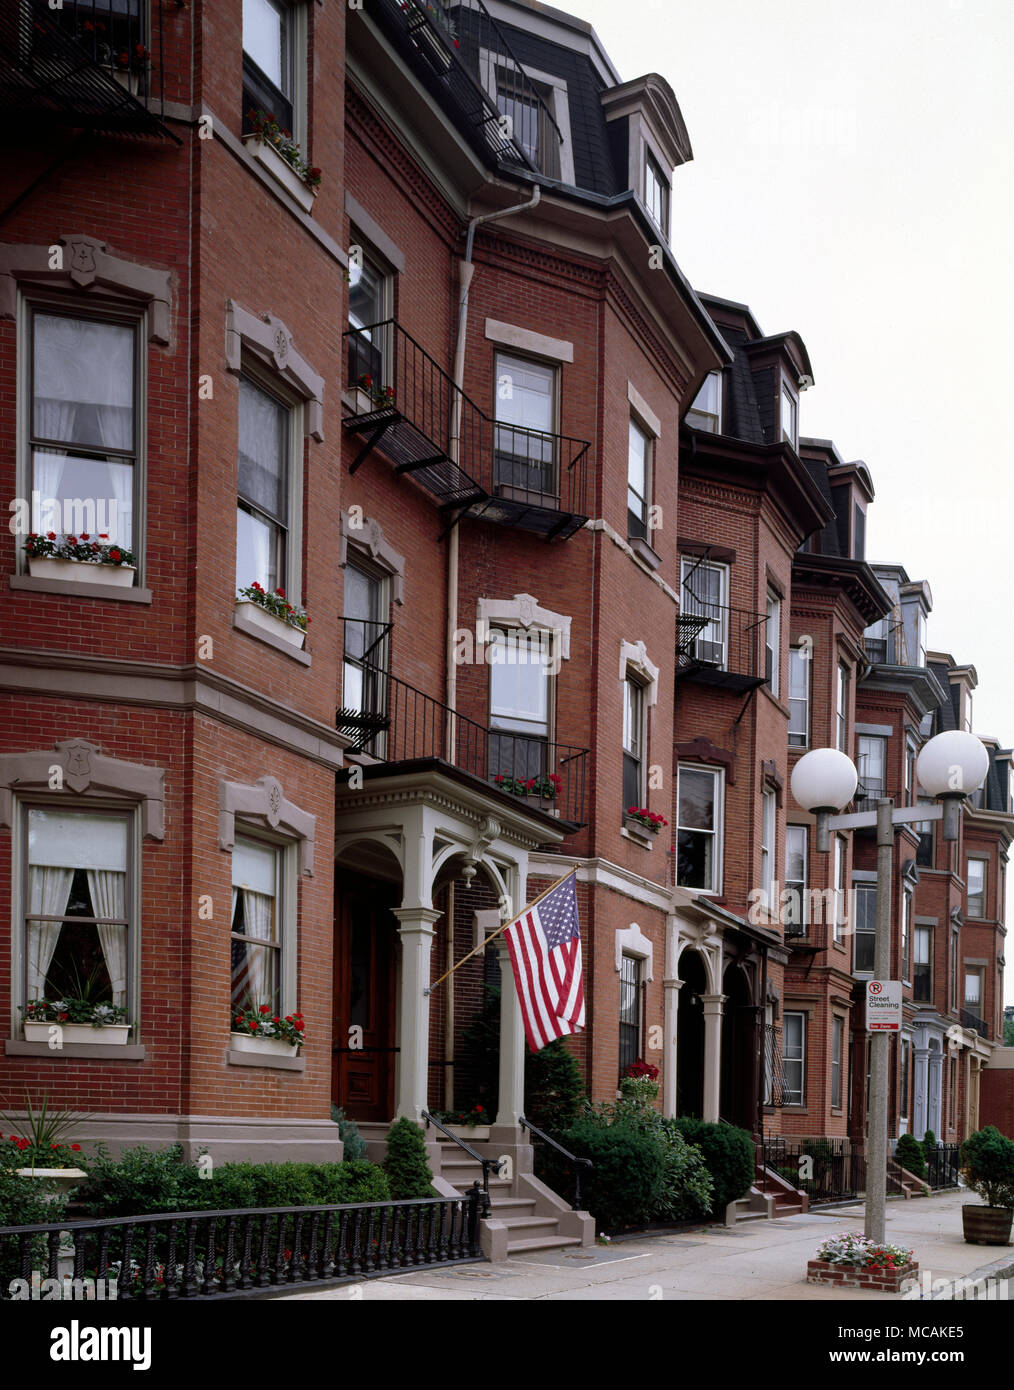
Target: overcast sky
[{"x": 853, "y": 179}]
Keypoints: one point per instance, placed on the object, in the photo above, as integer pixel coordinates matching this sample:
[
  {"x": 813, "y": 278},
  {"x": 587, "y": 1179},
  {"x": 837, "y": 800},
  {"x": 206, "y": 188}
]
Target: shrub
[
  {"x": 406, "y": 1164},
  {"x": 929, "y": 1141},
  {"x": 140, "y": 1181},
  {"x": 687, "y": 1187},
  {"x": 626, "y": 1182},
  {"x": 354, "y": 1181},
  {"x": 348, "y": 1133},
  {"x": 987, "y": 1157},
  {"x": 553, "y": 1087},
  {"x": 908, "y": 1152},
  {"x": 729, "y": 1157},
  {"x": 23, "y": 1202}
]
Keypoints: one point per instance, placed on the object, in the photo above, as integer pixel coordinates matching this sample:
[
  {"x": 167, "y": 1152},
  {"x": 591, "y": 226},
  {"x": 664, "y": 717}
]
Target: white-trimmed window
[
  {"x": 263, "y": 943},
  {"x": 769, "y": 821},
  {"x": 871, "y": 759},
  {"x": 656, "y": 193},
  {"x": 525, "y": 454},
  {"x": 706, "y": 411},
  {"x": 922, "y": 979},
  {"x": 796, "y": 915},
  {"x": 705, "y": 594},
  {"x": 840, "y": 852},
  {"x": 274, "y": 61},
  {"x": 976, "y": 888},
  {"x": 789, "y": 415},
  {"x": 699, "y": 795},
  {"x": 83, "y": 428},
  {"x": 639, "y": 449},
  {"x": 634, "y": 730},
  {"x": 799, "y": 697},
  {"x": 520, "y": 702},
  {"x": 864, "y": 928},
  {"x": 371, "y": 299},
  {"x": 842, "y": 708},
  {"x": 837, "y": 1042},
  {"x": 772, "y": 641},
  {"x": 631, "y": 977},
  {"x": 794, "y": 1057},
  {"x": 79, "y": 915},
  {"x": 269, "y": 491}
]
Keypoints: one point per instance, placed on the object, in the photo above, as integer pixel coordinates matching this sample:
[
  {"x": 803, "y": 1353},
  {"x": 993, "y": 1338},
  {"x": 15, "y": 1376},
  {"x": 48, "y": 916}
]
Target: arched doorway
[
  {"x": 690, "y": 1035},
  {"x": 740, "y": 1050}
]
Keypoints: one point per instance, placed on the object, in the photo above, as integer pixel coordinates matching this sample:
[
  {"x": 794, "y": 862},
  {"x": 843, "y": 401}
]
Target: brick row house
[{"x": 580, "y": 594}]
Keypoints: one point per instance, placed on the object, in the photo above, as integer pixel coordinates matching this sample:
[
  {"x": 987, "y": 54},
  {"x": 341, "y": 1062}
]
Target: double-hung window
[
  {"x": 638, "y": 480},
  {"x": 525, "y": 450},
  {"x": 794, "y": 1057},
  {"x": 871, "y": 758},
  {"x": 656, "y": 193},
  {"x": 768, "y": 826},
  {"x": 269, "y": 62},
  {"x": 795, "y": 880},
  {"x": 864, "y": 927},
  {"x": 519, "y": 703},
  {"x": 78, "y": 910},
  {"x": 631, "y": 969},
  {"x": 83, "y": 429},
  {"x": 772, "y": 641},
  {"x": 837, "y": 1041},
  {"x": 633, "y": 743},
  {"x": 265, "y": 482},
  {"x": 364, "y": 649},
  {"x": 706, "y": 411},
  {"x": 906, "y": 1053},
  {"x": 976, "y": 888},
  {"x": 973, "y": 991},
  {"x": 370, "y": 309},
  {"x": 789, "y": 416},
  {"x": 840, "y": 851},
  {"x": 799, "y": 697},
  {"x": 954, "y": 969},
  {"x": 257, "y": 929},
  {"x": 705, "y": 589},
  {"x": 841, "y": 709},
  {"x": 699, "y": 829},
  {"x": 922, "y": 980}
]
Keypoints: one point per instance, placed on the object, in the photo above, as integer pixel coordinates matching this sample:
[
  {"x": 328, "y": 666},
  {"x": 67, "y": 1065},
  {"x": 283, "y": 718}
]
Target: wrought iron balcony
[
  {"x": 407, "y": 407},
  {"x": 463, "y": 59},
  {"x": 720, "y": 646},
  {"x": 399, "y": 724},
  {"x": 972, "y": 1020},
  {"x": 87, "y": 65}
]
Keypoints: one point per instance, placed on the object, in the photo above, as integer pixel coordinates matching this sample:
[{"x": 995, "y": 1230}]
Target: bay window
[
  {"x": 256, "y": 937},
  {"x": 864, "y": 928},
  {"x": 704, "y": 594},
  {"x": 263, "y": 509},
  {"x": 871, "y": 757},
  {"x": 699, "y": 829},
  {"x": 975, "y": 881}
]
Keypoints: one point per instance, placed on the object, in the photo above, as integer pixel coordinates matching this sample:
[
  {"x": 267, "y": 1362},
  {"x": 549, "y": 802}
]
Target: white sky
[{"x": 852, "y": 179}]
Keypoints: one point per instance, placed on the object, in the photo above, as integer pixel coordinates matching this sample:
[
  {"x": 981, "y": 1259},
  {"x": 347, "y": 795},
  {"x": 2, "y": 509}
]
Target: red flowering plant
[
  {"x": 72, "y": 1009},
  {"x": 86, "y": 548},
  {"x": 639, "y": 1083},
  {"x": 261, "y": 1021},
  {"x": 381, "y": 396},
  {"x": 268, "y": 130},
  {"x": 133, "y": 59},
  {"x": 464, "y": 1119},
  {"x": 275, "y": 603},
  {"x": 651, "y": 820},
  {"x": 642, "y": 1068},
  {"x": 41, "y": 1142}
]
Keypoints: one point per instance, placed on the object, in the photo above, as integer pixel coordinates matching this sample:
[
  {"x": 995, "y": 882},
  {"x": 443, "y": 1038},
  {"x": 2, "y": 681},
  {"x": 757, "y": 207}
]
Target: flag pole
[{"x": 483, "y": 944}]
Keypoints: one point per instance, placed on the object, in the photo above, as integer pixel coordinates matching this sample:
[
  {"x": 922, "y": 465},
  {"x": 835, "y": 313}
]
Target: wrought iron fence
[
  {"x": 943, "y": 1165},
  {"x": 215, "y": 1254},
  {"x": 827, "y": 1170},
  {"x": 972, "y": 1020}
]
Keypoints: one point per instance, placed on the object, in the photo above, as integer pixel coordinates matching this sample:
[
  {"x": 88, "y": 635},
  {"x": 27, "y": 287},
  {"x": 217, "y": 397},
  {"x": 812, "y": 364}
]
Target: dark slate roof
[
  {"x": 827, "y": 542},
  {"x": 589, "y": 132},
  {"x": 946, "y": 716},
  {"x": 742, "y": 417},
  {"x": 996, "y": 783}
]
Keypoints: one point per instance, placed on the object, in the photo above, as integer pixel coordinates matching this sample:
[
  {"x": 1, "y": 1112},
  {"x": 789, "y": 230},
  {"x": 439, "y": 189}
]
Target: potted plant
[
  {"x": 83, "y": 559},
  {"x": 274, "y": 613},
  {"x": 130, "y": 68},
  {"x": 41, "y": 1148},
  {"x": 466, "y": 1124},
  {"x": 273, "y": 147},
  {"x": 371, "y": 397},
  {"x": 260, "y": 1029},
  {"x": 987, "y": 1158},
  {"x": 77, "y": 1019}
]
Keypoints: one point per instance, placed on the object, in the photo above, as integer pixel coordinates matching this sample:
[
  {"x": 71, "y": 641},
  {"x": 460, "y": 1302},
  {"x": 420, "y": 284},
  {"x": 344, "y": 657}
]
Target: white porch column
[
  {"x": 936, "y": 1068},
  {"x": 416, "y": 932},
  {"x": 512, "y": 1043},
  {"x": 712, "y": 1055},
  {"x": 670, "y": 1018},
  {"x": 920, "y": 1106}
]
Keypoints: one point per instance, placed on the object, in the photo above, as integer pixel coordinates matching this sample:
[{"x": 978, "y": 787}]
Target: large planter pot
[
  {"x": 115, "y": 1033},
  {"x": 986, "y": 1225},
  {"x": 81, "y": 572},
  {"x": 275, "y": 1047},
  {"x": 65, "y": 1179},
  {"x": 280, "y": 170},
  {"x": 260, "y": 617}
]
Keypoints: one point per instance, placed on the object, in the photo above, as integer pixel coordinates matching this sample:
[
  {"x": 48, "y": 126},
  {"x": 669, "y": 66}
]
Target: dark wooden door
[{"x": 362, "y": 1075}]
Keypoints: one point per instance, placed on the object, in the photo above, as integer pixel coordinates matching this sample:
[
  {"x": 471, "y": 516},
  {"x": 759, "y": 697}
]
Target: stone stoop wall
[{"x": 846, "y": 1277}]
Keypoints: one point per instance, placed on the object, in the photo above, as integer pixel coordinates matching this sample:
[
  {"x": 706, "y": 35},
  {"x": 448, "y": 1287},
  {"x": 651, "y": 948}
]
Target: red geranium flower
[
  {"x": 114, "y": 554},
  {"x": 265, "y": 1008},
  {"x": 51, "y": 535}
]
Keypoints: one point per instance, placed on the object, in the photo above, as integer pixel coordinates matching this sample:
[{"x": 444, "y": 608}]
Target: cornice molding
[
  {"x": 265, "y": 801},
  {"x": 269, "y": 339}
]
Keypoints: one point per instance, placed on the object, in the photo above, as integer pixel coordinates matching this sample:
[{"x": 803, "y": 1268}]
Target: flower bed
[{"x": 851, "y": 1261}]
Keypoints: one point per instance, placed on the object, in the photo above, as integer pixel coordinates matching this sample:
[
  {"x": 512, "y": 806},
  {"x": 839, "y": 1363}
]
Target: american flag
[{"x": 545, "y": 946}]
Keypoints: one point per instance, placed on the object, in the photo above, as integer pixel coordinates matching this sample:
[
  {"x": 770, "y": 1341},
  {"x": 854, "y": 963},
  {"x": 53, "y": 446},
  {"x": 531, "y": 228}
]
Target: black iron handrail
[
  {"x": 213, "y": 1254},
  {"x": 488, "y": 1164},
  {"x": 578, "y": 1163}
]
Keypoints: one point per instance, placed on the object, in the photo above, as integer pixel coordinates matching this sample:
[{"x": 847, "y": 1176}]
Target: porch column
[
  {"x": 512, "y": 1043},
  {"x": 416, "y": 932},
  {"x": 920, "y": 1111},
  {"x": 670, "y": 1003},
  {"x": 936, "y": 1070},
  {"x": 712, "y": 1055}
]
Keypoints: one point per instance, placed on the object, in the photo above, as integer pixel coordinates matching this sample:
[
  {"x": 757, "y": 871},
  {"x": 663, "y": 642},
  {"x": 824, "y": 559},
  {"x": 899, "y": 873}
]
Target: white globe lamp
[
  {"x": 952, "y": 766},
  {"x": 824, "y": 780}
]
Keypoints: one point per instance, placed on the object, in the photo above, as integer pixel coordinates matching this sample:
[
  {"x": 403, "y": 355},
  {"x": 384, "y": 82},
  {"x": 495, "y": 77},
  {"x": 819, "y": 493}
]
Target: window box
[
  {"x": 470, "y": 1133},
  {"x": 108, "y": 1033},
  {"x": 281, "y": 171},
  {"x": 66, "y": 1179},
  {"x": 277, "y": 627},
  {"x": 81, "y": 572},
  {"x": 272, "y": 1047},
  {"x": 638, "y": 831}
]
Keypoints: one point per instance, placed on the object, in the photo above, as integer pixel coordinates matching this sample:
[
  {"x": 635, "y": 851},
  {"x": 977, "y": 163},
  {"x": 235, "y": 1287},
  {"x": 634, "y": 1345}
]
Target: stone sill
[
  {"x": 243, "y": 624},
  {"x": 99, "y": 1052},
  {"x": 644, "y": 552},
  {"x": 59, "y": 586},
  {"x": 264, "y": 1059}
]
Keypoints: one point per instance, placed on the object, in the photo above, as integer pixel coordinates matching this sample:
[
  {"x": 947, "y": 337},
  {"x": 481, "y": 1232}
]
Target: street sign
[{"x": 883, "y": 1006}]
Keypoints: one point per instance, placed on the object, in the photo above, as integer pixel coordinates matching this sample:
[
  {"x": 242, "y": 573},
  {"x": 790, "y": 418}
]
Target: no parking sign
[{"x": 883, "y": 1006}]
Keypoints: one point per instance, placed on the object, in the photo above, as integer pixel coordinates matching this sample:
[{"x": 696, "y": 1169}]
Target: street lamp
[{"x": 950, "y": 766}]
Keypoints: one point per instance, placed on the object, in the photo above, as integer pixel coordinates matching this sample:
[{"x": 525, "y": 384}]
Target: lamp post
[{"x": 950, "y": 767}]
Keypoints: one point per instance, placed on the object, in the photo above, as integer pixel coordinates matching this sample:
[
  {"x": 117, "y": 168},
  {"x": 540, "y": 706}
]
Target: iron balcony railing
[
  {"x": 363, "y": 715},
  {"x": 727, "y": 648},
  {"x": 973, "y": 1020},
  {"x": 463, "y": 59},
  {"x": 549, "y": 777},
  {"x": 827, "y": 1170},
  {"x": 406, "y": 405},
  {"x": 215, "y": 1254},
  {"x": 774, "y": 1076},
  {"x": 85, "y": 64}
]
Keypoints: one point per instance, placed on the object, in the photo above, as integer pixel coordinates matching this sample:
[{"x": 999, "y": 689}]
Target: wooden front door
[{"x": 362, "y": 1074}]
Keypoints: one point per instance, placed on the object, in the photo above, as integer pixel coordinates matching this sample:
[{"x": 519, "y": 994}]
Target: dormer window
[
  {"x": 789, "y": 416},
  {"x": 706, "y": 411},
  {"x": 656, "y": 193}
]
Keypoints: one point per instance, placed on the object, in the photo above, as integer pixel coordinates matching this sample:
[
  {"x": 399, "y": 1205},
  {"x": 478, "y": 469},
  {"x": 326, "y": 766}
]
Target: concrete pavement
[{"x": 755, "y": 1260}]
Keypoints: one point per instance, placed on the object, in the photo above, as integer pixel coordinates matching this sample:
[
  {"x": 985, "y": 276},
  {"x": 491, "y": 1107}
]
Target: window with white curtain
[
  {"x": 77, "y": 906},
  {"x": 256, "y": 925},
  {"x": 83, "y": 424},
  {"x": 262, "y": 516}
]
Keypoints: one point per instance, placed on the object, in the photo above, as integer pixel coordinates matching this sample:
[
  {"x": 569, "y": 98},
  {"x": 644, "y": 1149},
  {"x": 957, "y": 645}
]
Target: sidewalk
[{"x": 755, "y": 1260}]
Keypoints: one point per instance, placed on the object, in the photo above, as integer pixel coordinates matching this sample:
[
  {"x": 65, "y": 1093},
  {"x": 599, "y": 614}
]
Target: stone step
[
  {"x": 787, "y": 1209},
  {"x": 518, "y": 1247},
  {"x": 512, "y": 1204},
  {"x": 530, "y": 1223}
]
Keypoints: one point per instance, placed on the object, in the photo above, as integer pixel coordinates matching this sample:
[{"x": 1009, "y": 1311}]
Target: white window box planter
[
  {"x": 274, "y": 1047},
  {"x": 132, "y": 82},
  {"x": 281, "y": 171},
  {"x": 260, "y": 617},
  {"x": 81, "y": 572},
  {"x": 470, "y": 1133},
  {"x": 66, "y": 1179},
  {"x": 639, "y": 831},
  {"x": 115, "y": 1033}
]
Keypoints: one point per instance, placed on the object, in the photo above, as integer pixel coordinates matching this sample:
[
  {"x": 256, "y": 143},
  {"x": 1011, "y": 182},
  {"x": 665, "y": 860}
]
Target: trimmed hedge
[
  {"x": 729, "y": 1156},
  {"x": 909, "y": 1153},
  {"x": 406, "y": 1163},
  {"x": 625, "y": 1184}
]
